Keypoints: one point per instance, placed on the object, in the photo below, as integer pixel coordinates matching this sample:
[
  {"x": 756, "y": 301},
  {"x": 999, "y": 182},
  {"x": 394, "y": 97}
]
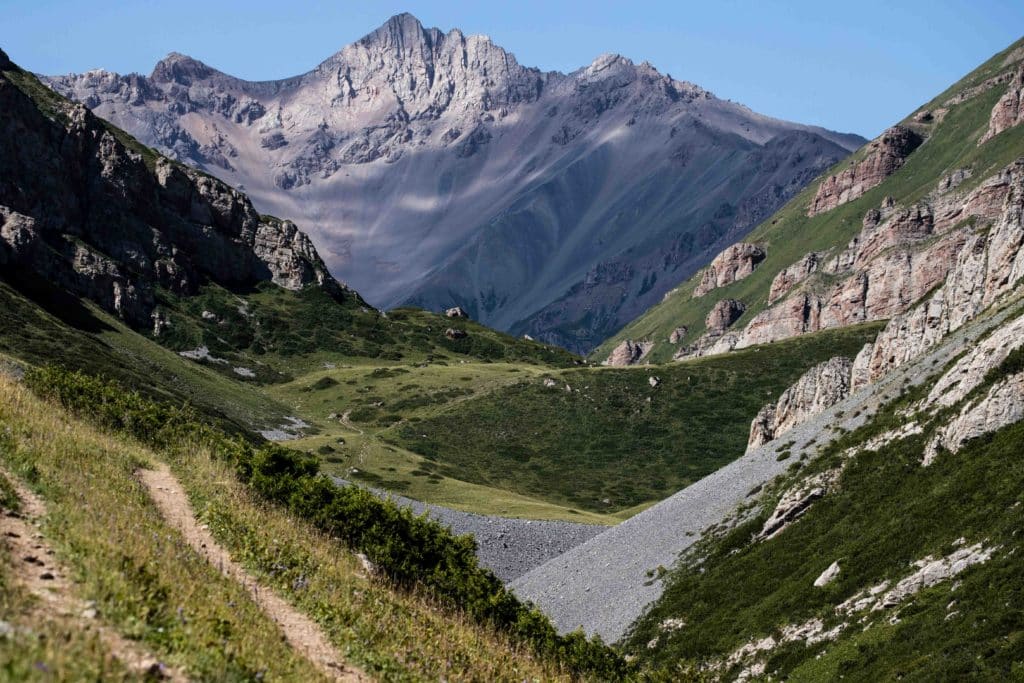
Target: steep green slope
[
  {"x": 951, "y": 143},
  {"x": 885, "y": 513}
]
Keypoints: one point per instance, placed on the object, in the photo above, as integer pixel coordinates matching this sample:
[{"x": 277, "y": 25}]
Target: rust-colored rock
[
  {"x": 724, "y": 314},
  {"x": 793, "y": 275},
  {"x": 628, "y": 353},
  {"x": 884, "y": 156},
  {"x": 735, "y": 263},
  {"x": 1009, "y": 110}
]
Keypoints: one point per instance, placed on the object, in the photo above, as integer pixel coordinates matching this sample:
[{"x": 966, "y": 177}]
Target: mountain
[
  {"x": 433, "y": 169},
  {"x": 863, "y": 242}
]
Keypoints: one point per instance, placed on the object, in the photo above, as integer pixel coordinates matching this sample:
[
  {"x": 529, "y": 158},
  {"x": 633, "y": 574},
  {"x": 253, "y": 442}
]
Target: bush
[{"x": 410, "y": 550}]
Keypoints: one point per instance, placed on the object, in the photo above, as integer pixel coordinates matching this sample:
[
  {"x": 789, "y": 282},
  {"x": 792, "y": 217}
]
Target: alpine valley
[{"x": 798, "y": 459}]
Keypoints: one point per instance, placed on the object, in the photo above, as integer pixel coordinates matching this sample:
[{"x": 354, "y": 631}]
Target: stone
[
  {"x": 882, "y": 157},
  {"x": 1009, "y": 110},
  {"x": 654, "y": 381},
  {"x": 827, "y": 576},
  {"x": 723, "y": 314},
  {"x": 820, "y": 388},
  {"x": 452, "y": 333},
  {"x": 732, "y": 265},
  {"x": 628, "y": 352},
  {"x": 677, "y": 335},
  {"x": 456, "y": 312}
]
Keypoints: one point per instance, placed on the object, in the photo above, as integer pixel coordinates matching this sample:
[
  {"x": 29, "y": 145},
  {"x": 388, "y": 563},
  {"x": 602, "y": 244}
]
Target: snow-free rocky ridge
[{"x": 432, "y": 168}]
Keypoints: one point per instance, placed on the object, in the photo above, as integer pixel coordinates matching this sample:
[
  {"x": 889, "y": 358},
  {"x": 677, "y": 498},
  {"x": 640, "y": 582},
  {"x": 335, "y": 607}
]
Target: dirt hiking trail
[
  {"x": 301, "y": 632},
  {"x": 34, "y": 569}
]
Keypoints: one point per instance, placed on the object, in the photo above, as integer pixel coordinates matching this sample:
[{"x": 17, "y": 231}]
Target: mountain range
[
  {"x": 433, "y": 169},
  {"x": 214, "y": 455}
]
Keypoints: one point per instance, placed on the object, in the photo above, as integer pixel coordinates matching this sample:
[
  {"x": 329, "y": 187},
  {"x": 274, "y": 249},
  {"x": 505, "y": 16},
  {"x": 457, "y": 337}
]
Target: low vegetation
[
  {"x": 887, "y": 513},
  {"x": 607, "y": 440},
  {"x": 414, "y": 553}
]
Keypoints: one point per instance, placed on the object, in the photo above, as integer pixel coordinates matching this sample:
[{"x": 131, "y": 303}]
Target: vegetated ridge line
[
  {"x": 33, "y": 567},
  {"x": 301, "y": 632}
]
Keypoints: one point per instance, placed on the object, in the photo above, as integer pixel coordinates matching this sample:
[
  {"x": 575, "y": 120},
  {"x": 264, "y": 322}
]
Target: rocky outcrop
[
  {"x": 820, "y": 388},
  {"x": 988, "y": 266},
  {"x": 677, "y": 335},
  {"x": 1009, "y": 110},
  {"x": 899, "y": 256},
  {"x": 113, "y": 223},
  {"x": 735, "y": 263},
  {"x": 970, "y": 370},
  {"x": 628, "y": 353},
  {"x": 793, "y": 275},
  {"x": 796, "y": 501},
  {"x": 928, "y": 571},
  {"x": 882, "y": 157},
  {"x": 723, "y": 314},
  {"x": 1002, "y": 405},
  {"x": 456, "y": 312}
]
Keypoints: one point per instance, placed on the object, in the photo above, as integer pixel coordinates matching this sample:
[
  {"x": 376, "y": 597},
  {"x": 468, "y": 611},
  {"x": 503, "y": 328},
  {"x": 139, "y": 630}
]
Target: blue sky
[{"x": 850, "y": 66}]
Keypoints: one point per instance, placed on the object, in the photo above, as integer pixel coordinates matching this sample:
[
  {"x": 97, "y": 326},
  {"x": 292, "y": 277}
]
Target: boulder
[
  {"x": 677, "y": 335},
  {"x": 628, "y": 353},
  {"x": 723, "y": 314},
  {"x": 456, "y": 312},
  {"x": 453, "y": 333},
  {"x": 882, "y": 157},
  {"x": 733, "y": 264},
  {"x": 827, "y": 576}
]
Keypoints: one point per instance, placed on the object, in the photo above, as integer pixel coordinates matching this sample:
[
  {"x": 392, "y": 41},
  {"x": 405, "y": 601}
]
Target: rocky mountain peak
[
  {"x": 418, "y": 147},
  {"x": 181, "y": 69}
]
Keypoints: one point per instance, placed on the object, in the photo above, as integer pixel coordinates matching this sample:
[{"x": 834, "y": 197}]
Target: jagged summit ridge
[{"x": 433, "y": 168}]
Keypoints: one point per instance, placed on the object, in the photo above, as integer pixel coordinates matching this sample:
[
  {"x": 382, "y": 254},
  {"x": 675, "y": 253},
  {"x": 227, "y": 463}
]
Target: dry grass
[
  {"x": 151, "y": 586},
  {"x": 145, "y": 580},
  {"x": 390, "y": 633}
]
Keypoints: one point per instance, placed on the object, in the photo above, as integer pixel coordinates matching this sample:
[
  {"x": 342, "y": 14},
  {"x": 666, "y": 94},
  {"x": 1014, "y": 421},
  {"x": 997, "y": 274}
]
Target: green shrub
[{"x": 410, "y": 550}]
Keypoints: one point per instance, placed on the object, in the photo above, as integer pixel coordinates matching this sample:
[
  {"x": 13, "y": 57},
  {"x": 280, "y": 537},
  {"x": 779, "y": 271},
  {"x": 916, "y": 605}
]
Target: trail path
[
  {"x": 301, "y": 632},
  {"x": 33, "y": 567}
]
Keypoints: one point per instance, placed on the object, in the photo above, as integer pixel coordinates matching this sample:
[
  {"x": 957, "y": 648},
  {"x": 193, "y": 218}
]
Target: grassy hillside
[
  {"x": 951, "y": 144},
  {"x": 886, "y": 513},
  {"x": 610, "y": 441}
]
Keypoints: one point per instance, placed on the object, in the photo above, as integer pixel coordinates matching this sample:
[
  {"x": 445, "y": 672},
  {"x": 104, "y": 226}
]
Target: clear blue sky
[{"x": 852, "y": 66}]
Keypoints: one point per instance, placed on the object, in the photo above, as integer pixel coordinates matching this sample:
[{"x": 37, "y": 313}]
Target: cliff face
[
  {"x": 820, "y": 388},
  {"x": 989, "y": 265},
  {"x": 432, "y": 168},
  {"x": 1009, "y": 111},
  {"x": 881, "y": 159},
  {"x": 96, "y": 213},
  {"x": 899, "y": 256}
]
